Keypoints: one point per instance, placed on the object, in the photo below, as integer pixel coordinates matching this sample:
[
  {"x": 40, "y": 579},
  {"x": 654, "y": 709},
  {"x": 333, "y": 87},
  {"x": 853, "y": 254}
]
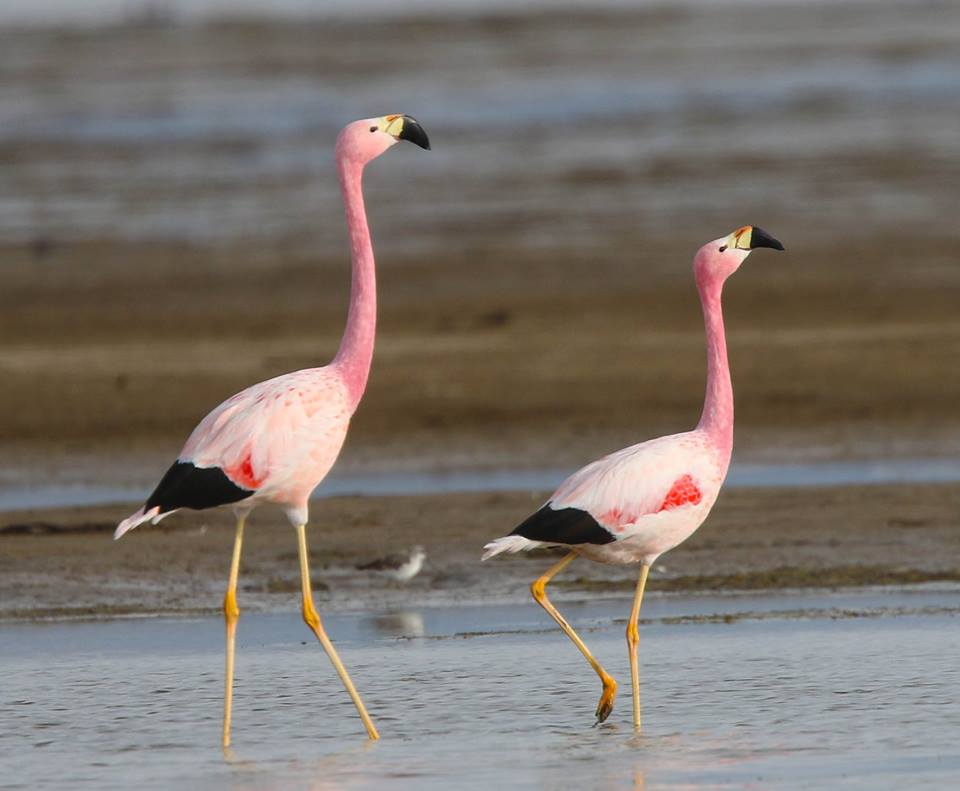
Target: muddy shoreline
[{"x": 62, "y": 563}]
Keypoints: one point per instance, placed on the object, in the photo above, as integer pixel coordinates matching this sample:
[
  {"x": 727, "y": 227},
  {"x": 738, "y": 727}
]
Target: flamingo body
[
  {"x": 630, "y": 506},
  {"x": 271, "y": 443}
]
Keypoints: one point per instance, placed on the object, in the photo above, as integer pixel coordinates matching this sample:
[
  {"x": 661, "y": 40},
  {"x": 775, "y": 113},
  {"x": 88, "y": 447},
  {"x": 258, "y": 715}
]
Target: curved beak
[
  {"x": 760, "y": 238},
  {"x": 406, "y": 127},
  {"x": 413, "y": 133},
  {"x": 750, "y": 237}
]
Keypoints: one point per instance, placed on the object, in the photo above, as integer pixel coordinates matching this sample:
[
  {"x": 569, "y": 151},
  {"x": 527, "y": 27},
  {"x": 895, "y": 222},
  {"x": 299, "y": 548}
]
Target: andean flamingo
[
  {"x": 275, "y": 441},
  {"x": 635, "y": 504}
]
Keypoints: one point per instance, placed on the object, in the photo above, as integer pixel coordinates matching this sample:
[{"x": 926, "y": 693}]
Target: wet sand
[
  {"x": 61, "y": 563},
  {"x": 508, "y": 364}
]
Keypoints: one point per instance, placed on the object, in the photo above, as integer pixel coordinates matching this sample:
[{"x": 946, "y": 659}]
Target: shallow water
[
  {"x": 17, "y": 495},
  {"x": 788, "y": 702}
]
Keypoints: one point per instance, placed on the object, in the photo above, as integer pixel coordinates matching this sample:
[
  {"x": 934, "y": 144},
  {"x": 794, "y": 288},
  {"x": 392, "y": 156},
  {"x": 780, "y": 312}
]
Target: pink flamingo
[
  {"x": 635, "y": 504},
  {"x": 275, "y": 441}
]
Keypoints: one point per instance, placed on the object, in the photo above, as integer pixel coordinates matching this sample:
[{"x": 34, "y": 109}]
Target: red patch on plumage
[
  {"x": 683, "y": 492},
  {"x": 613, "y": 520},
  {"x": 242, "y": 474},
  {"x": 612, "y": 516}
]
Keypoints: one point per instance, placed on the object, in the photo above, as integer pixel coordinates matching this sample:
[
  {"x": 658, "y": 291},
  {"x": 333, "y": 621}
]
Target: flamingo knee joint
[
  {"x": 230, "y": 609},
  {"x": 310, "y": 618},
  {"x": 539, "y": 589}
]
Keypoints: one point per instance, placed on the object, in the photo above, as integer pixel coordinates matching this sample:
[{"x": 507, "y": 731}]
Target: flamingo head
[
  {"x": 722, "y": 257},
  {"x": 365, "y": 140}
]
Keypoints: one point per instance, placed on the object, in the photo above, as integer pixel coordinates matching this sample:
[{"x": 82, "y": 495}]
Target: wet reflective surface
[
  {"x": 496, "y": 697},
  {"x": 16, "y": 494}
]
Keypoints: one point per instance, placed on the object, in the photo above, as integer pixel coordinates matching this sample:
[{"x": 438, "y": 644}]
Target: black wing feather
[
  {"x": 187, "y": 486},
  {"x": 563, "y": 526}
]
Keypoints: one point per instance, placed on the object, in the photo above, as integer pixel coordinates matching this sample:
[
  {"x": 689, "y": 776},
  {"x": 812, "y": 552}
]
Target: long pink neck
[
  {"x": 356, "y": 349},
  {"x": 717, "y": 418}
]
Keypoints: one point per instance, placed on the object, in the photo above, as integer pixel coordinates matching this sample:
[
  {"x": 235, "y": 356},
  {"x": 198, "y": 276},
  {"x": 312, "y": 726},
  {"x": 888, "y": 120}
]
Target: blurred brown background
[{"x": 171, "y": 228}]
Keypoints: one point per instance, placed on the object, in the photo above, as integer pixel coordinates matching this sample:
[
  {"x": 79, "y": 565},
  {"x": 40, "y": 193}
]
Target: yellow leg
[
  {"x": 232, "y": 614},
  {"x": 312, "y": 619},
  {"x": 539, "y": 591},
  {"x": 633, "y": 640}
]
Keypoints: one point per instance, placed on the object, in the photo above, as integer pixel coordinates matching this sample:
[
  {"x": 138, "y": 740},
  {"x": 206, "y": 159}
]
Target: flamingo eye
[
  {"x": 723, "y": 247},
  {"x": 373, "y": 129}
]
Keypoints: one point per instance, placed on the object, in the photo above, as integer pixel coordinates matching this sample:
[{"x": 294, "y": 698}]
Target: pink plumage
[{"x": 275, "y": 441}]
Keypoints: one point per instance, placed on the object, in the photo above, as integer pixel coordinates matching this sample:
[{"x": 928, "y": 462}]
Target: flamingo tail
[
  {"x": 138, "y": 518},
  {"x": 511, "y": 544}
]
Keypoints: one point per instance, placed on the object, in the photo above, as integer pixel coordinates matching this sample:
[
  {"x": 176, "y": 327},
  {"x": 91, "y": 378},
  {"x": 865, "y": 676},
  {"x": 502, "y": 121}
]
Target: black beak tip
[
  {"x": 413, "y": 133},
  {"x": 760, "y": 238}
]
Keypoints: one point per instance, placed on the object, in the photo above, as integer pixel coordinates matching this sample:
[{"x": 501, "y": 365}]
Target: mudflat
[
  {"x": 839, "y": 348},
  {"x": 61, "y": 563}
]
